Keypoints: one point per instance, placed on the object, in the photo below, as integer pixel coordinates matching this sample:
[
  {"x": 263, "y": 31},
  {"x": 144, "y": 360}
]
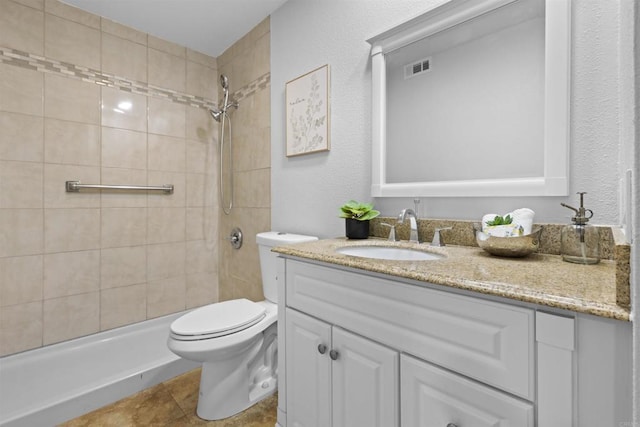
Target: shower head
[
  {"x": 216, "y": 114},
  {"x": 224, "y": 82}
]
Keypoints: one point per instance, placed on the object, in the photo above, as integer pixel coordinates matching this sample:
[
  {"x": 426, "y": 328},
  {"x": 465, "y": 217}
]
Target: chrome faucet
[
  {"x": 437, "y": 238},
  {"x": 413, "y": 223}
]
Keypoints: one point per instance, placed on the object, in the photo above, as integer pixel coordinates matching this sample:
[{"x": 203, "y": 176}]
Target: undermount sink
[{"x": 388, "y": 253}]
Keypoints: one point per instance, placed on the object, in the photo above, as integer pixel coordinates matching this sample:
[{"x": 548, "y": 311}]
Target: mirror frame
[{"x": 555, "y": 181}]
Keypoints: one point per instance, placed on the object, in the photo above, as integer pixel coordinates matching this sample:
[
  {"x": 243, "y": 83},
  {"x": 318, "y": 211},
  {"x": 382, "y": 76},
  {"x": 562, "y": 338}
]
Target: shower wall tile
[
  {"x": 60, "y": 280},
  {"x": 123, "y": 199},
  {"x": 71, "y": 229},
  {"x": 20, "y": 327},
  {"x": 202, "y": 289},
  {"x": 196, "y": 189},
  {"x": 123, "y": 266},
  {"x": 84, "y": 107},
  {"x": 242, "y": 266},
  {"x": 55, "y": 193},
  {"x": 123, "y": 306},
  {"x": 196, "y": 156},
  {"x": 21, "y": 280},
  {"x": 36, "y": 4},
  {"x": 124, "y": 57},
  {"x": 21, "y": 90},
  {"x": 252, "y": 64},
  {"x": 124, "y": 110},
  {"x": 166, "y": 296},
  {"x": 21, "y": 137},
  {"x": 202, "y": 59},
  {"x": 74, "y": 14},
  {"x": 21, "y": 232},
  {"x": 165, "y": 260},
  {"x": 167, "y": 47},
  {"x": 261, "y": 116},
  {"x": 202, "y": 80},
  {"x": 247, "y": 65},
  {"x": 21, "y": 27},
  {"x": 71, "y": 317},
  {"x": 166, "y": 70},
  {"x": 165, "y": 225},
  {"x": 177, "y": 199},
  {"x": 167, "y": 153},
  {"x": 124, "y": 149},
  {"x": 249, "y": 290},
  {"x": 85, "y": 98},
  {"x": 71, "y": 42},
  {"x": 200, "y": 127},
  {"x": 71, "y": 143},
  {"x": 200, "y": 257},
  {"x": 124, "y": 227},
  {"x": 167, "y": 118},
  {"x": 122, "y": 31},
  {"x": 253, "y": 188},
  {"x": 20, "y": 184},
  {"x": 195, "y": 223}
]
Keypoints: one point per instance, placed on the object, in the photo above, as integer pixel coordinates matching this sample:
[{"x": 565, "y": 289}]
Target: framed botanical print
[{"x": 307, "y": 112}]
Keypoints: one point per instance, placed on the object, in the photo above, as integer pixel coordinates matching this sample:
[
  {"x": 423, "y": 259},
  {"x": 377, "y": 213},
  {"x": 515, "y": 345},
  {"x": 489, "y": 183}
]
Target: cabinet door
[
  {"x": 308, "y": 371},
  {"x": 434, "y": 397},
  {"x": 365, "y": 382}
]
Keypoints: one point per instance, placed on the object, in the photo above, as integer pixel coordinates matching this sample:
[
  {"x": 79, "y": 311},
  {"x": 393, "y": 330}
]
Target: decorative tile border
[
  {"x": 259, "y": 84},
  {"x": 38, "y": 63}
]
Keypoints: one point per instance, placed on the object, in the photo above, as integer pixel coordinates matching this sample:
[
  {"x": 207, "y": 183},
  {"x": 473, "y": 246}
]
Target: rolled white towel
[{"x": 524, "y": 218}]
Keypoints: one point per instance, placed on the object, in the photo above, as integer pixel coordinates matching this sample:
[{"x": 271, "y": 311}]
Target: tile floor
[{"x": 172, "y": 403}]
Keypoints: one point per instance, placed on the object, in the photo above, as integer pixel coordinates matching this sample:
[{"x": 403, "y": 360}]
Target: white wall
[{"x": 307, "y": 190}]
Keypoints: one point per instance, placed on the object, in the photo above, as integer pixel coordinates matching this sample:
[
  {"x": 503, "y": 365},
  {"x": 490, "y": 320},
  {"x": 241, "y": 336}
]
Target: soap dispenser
[{"x": 580, "y": 242}]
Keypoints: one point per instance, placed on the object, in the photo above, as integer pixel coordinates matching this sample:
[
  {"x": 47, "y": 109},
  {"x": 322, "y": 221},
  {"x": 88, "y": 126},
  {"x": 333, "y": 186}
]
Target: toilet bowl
[{"x": 236, "y": 341}]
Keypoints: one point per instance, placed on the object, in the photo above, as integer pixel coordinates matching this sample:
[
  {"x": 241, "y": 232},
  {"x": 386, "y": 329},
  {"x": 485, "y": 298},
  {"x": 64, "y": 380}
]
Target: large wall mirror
[{"x": 472, "y": 99}]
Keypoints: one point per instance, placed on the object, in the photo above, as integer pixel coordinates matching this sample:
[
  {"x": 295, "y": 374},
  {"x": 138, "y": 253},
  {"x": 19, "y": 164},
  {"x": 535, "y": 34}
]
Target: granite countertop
[{"x": 538, "y": 278}]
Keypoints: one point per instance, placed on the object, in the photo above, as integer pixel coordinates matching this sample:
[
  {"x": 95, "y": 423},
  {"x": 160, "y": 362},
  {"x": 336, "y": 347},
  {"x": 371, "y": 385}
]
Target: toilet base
[{"x": 226, "y": 390}]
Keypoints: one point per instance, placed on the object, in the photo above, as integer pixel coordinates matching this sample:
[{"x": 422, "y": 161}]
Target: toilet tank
[{"x": 266, "y": 241}]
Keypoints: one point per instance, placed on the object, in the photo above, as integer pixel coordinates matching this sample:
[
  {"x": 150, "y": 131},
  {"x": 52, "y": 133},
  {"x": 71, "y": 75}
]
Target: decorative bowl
[{"x": 514, "y": 247}]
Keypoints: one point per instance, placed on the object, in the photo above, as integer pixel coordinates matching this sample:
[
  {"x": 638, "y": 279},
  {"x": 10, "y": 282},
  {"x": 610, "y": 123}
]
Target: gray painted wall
[{"x": 307, "y": 190}]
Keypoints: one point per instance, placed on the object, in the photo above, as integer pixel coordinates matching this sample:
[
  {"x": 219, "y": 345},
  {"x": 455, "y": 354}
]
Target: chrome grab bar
[{"x": 76, "y": 186}]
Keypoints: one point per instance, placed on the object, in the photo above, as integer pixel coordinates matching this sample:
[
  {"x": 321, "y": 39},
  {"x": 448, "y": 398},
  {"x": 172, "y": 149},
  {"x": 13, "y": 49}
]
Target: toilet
[{"x": 236, "y": 341}]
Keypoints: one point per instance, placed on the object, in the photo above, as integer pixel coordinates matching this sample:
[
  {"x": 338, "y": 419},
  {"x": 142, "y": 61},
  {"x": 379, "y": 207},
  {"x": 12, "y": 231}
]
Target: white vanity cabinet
[
  {"x": 362, "y": 349},
  {"x": 434, "y": 397},
  {"x": 336, "y": 378}
]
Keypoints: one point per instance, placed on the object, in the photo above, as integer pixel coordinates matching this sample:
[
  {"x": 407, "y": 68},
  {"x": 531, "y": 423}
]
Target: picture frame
[{"x": 307, "y": 113}]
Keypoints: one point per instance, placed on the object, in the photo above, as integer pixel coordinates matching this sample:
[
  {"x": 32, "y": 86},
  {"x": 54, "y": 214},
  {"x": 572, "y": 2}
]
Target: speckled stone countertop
[{"x": 538, "y": 278}]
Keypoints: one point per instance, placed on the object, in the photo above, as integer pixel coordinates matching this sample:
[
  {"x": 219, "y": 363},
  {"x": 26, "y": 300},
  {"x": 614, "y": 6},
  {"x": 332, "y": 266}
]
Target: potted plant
[{"x": 357, "y": 216}]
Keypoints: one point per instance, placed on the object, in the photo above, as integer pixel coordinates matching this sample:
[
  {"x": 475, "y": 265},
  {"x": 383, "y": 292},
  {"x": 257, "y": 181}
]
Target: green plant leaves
[
  {"x": 356, "y": 210},
  {"x": 498, "y": 220}
]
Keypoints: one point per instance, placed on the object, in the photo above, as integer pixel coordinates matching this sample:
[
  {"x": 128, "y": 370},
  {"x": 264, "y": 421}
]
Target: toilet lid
[{"x": 218, "y": 319}]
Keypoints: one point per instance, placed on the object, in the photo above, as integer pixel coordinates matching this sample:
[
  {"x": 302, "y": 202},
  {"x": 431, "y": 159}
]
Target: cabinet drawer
[
  {"x": 485, "y": 340},
  {"x": 434, "y": 397}
]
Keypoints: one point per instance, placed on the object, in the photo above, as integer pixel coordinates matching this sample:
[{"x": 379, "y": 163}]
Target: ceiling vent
[{"x": 417, "y": 67}]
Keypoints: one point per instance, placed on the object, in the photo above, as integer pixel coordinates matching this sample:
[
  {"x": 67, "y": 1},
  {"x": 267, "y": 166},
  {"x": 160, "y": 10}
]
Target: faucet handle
[
  {"x": 437, "y": 238},
  {"x": 392, "y": 232}
]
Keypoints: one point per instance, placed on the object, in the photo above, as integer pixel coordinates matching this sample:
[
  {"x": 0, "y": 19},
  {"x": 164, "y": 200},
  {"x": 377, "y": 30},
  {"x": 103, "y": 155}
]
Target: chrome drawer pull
[
  {"x": 333, "y": 354},
  {"x": 322, "y": 348}
]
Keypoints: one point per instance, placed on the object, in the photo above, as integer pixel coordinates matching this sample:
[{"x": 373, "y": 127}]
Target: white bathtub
[{"x": 49, "y": 385}]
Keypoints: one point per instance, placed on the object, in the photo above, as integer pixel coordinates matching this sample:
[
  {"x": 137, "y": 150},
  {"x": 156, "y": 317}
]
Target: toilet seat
[{"x": 217, "y": 320}]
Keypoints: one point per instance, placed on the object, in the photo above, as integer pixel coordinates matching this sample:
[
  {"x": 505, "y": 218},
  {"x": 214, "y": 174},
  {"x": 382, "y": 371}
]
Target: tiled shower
[{"x": 84, "y": 98}]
